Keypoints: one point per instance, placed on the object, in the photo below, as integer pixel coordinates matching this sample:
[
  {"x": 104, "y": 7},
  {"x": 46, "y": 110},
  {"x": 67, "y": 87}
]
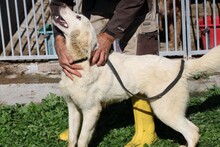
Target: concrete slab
[{"x": 25, "y": 93}]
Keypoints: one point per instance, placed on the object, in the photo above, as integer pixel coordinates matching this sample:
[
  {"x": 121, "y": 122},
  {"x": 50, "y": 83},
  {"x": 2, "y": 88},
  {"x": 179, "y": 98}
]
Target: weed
[{"x": 37, "y": 125}]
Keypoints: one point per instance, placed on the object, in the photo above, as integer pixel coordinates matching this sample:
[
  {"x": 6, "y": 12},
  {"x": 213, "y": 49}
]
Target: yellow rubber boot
[
  {"x": 144, "y": 124},
  {"x": 64, "y": 135}
]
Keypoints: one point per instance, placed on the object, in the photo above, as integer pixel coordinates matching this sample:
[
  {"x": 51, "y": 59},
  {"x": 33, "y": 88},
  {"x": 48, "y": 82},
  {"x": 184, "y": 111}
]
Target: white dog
[{"x": 148, "y": 74}]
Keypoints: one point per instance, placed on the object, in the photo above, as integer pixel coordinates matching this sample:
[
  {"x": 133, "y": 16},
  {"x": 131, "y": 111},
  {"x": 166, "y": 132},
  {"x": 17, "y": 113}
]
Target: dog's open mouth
[{"x": 58, "y": 19}]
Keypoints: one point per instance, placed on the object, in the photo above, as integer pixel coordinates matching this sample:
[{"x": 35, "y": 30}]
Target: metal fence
[
  {"x": 187, "y": 28},
  {"x": 26, "y": 32},
  {"x": 200, "y": 27}
]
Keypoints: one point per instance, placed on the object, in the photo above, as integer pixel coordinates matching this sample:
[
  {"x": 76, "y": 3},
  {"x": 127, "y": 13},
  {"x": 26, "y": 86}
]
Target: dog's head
[{"x": 79, "y": 33}]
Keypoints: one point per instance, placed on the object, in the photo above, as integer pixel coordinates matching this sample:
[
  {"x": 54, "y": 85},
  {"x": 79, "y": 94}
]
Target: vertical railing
[
  {"x": 183, "y": 23},
  {"x": 26, "y": 27},
  {"x": 175, "y": 27},
  {"x": 10, "y": 31},
  {"x": 197, "y": 27},
  {"x": 207, "y": 27},
  {"x": 188, "y": 27},
  {"x": 205, "y": 18},
  {"x": 199, "y": 22},
  {"x": 214, "y": 22},
  {"x": 166, "y": 26},
  {"x": 18, "y": 27},
  {"x": 35, "y": 28},
  {"x": 2, "y": 33},
  {"x": 44, "y": 26}
]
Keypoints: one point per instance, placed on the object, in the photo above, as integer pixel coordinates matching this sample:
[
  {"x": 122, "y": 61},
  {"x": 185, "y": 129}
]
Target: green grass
[{"x": 38, "y": 125}]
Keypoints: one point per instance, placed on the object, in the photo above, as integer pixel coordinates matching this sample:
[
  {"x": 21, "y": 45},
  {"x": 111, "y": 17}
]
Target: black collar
[{"x": 80, "y": 60}]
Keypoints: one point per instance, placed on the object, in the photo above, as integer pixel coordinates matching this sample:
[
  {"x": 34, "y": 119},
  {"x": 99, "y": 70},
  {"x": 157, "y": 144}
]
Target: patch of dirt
[
  {"x": 28, "y": 79},
  {"x": 27, "y": 73}
]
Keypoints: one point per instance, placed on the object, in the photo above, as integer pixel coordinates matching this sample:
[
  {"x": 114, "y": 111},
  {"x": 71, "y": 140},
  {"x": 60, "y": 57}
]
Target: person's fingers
[
  {"x": 75, "y": 66},
  {"x": 99, "y": 57},
  {"x": 72, "y": 71},
  {"x": 68, "y": 74},
  {"x": 106, "y": 57},
  {"x": 102, "y": 59},
  {"x": 69, "y": 59},
  {"x": 95, "y": 57}
]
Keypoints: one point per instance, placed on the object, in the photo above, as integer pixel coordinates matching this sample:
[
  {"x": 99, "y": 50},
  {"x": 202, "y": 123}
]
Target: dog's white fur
[{"x": 148, "y": 74}]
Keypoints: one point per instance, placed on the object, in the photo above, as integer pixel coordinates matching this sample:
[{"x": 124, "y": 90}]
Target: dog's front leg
[
  {"x": 90, "y": 117},
  {"x": 74, "y": 124}
]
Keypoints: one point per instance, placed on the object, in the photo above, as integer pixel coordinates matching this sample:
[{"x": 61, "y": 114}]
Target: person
[
  {"x": 117, "y": 19},
  {"x": 131, "y": 25}
]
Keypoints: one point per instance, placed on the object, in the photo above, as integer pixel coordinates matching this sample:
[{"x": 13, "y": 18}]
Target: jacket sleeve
[
  {"x": 125, "y": 13},
  {"x": 54, "y": 7}
]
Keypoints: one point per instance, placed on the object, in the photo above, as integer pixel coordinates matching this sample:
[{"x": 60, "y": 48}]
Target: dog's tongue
[{"x": 60, "y": 20}]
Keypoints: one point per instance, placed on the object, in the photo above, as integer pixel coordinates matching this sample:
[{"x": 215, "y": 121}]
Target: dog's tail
[{"x": 209, "y": 62}]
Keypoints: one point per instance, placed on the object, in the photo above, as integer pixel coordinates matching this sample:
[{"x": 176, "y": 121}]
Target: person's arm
[
  {"x": 64, "y": 57},
  {"x": 124, "y": 15}
]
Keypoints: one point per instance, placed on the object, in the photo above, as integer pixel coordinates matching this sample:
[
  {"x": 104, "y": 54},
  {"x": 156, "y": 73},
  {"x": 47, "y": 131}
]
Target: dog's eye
[{"x": 78, "y": 17}]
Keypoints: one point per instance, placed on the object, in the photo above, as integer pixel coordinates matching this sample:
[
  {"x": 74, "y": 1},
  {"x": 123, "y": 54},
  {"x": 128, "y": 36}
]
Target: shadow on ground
[
  {"x": 114, "y": 116},
  {"x": 121, "y": 115}
]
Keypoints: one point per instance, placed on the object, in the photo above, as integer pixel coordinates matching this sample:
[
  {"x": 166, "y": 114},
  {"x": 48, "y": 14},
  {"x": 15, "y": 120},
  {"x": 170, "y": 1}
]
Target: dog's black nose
[
  {"x": 63, "y": 5},
  {"x": 78, "y": 17}
]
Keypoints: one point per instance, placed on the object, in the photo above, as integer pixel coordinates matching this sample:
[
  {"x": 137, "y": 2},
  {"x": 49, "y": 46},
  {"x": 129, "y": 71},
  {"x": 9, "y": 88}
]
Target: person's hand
[
  {"x": 100, "y": 55},
  {"x": 65, "y": 60}
]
